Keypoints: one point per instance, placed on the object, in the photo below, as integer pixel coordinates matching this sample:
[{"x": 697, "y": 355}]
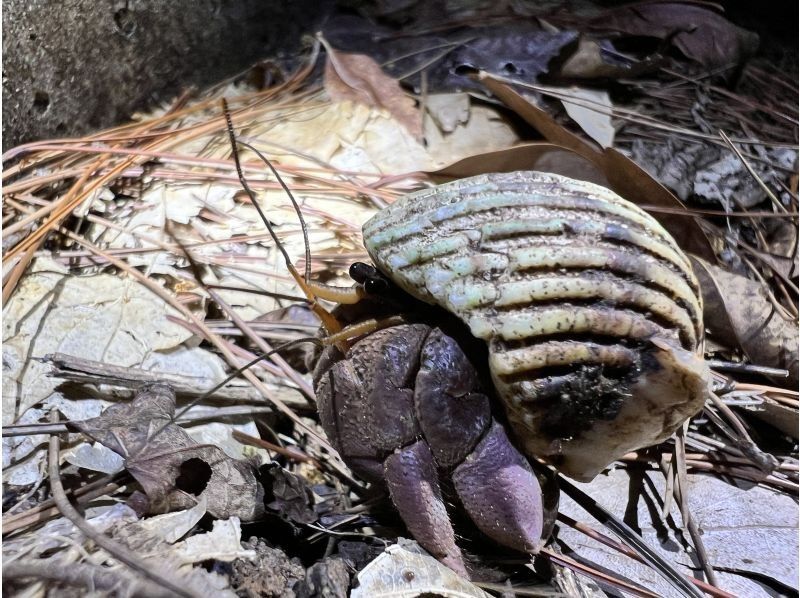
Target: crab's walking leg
[{"x": 413, "y": 483}]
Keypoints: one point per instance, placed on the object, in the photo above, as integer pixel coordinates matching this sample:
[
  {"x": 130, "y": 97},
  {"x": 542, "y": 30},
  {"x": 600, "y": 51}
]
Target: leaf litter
[{"x": 113, "y": 296}]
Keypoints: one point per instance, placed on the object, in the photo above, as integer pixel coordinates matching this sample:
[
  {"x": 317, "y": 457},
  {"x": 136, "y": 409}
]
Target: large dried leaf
[
  {"x": 624, "y": 176},
  {"x": 696, "y": 30},
  {"x": 174, "y": 470},
  {"x": 738, "y": 312},
  {"x": 747, "y": 530},
  {"x": 359, "y": 78},
  {"x": 521, "y": 48},
  {"x": 103, "y": 318}
]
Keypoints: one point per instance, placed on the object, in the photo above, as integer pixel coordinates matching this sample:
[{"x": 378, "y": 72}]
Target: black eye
[
  {"x": 376, "y": 285},
  {"x": 360, "y": 272}
]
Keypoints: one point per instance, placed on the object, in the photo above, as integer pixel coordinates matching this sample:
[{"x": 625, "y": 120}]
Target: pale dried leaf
[
  {"x": 171, "y": 527},
  {"x": 591, "y": 109},
  {"x": 484, "y": 132},
  {"x": 222, "y": 543},
  {"x": 744, "y": 527},
  {"x": 17, "y": 448},
  {"x": 102, "y": 317},
  {"x": 201, "y": 365},
  {"x": 405, "y": 570},
  {"x": 94, "y": 457},
  {"x": 62, "y": 533},
  {"x": 221, "y": 435},
  {"x": 448, "y": 110},
  {"x": 358, "y": 78}
]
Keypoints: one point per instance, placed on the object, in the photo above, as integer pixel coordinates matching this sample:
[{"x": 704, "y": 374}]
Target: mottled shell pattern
[{"x": 590, "y": 309}]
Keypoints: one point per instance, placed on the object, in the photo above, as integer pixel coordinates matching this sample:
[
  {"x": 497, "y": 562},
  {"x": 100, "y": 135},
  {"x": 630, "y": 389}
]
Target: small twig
[
  {"x": 750, "y": 368},
  {"x": 289, "y": 453},
  {"x": 681, "y": 490},
  {"x": 765, "y": 461},
  {"x": 78, "y": 369},
  {"x": 215, "y": 413}
]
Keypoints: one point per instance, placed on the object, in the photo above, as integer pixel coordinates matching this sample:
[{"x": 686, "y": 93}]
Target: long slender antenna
[
  {"x": 252, "y": 196},
  {"x": 297, "y": 210}
]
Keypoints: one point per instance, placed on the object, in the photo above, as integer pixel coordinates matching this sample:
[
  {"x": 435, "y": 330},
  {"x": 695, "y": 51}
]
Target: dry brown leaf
[
  {"x": 778, "y": 416},
  {"x": 590, "y": 61},
  {"x": 358, "y": 78},
  {"x": 172, "y": 468},
  {"x": 699, "y": 32},
  {"x": 624, "y": 176},
  {"x": 544, "y": 157},
  {"x": 738, "y": 312}
]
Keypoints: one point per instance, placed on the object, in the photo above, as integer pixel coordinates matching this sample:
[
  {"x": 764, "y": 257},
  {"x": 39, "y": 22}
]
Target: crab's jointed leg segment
[{"x": 413, "y": 483}]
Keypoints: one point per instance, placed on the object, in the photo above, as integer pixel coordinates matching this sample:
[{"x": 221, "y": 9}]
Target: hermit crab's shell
[{"x": 590, "y": 309}]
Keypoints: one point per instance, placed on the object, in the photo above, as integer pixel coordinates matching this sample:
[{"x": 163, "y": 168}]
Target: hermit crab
[
  {"x": 511, "y": 316},
  {"x": 507, "y": 317}
]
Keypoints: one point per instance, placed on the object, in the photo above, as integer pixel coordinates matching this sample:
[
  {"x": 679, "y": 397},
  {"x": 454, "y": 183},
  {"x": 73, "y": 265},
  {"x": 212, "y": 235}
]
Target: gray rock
[{"x": 73, "y": 67}]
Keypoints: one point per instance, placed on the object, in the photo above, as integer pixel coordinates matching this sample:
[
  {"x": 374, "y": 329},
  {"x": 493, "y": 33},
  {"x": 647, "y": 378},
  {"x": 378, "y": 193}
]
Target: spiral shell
[{"x": 590, "y": 309}]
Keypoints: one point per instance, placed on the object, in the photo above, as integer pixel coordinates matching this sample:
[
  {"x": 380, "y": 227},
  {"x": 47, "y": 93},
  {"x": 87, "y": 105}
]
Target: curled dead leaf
[
  {"x": 699, "y": 32},
  {"x": 738, "y": 312},
  {"x": 174, "y": 470},
  {"x": 359, "y": 78}
]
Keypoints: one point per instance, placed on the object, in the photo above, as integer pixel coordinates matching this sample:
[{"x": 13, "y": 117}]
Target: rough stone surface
[{"x": 73, "y": 67}]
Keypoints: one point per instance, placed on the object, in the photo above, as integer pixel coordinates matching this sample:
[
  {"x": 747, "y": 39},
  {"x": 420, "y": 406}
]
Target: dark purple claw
[
  {"x": 501, "y": 493},
  {"x": 451, "y": 414},
  {"x": 414, "y": 486}
]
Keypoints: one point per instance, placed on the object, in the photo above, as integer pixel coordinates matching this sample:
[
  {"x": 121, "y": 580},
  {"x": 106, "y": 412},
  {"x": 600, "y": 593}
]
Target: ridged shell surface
[{"x": 590, "y": 309}]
